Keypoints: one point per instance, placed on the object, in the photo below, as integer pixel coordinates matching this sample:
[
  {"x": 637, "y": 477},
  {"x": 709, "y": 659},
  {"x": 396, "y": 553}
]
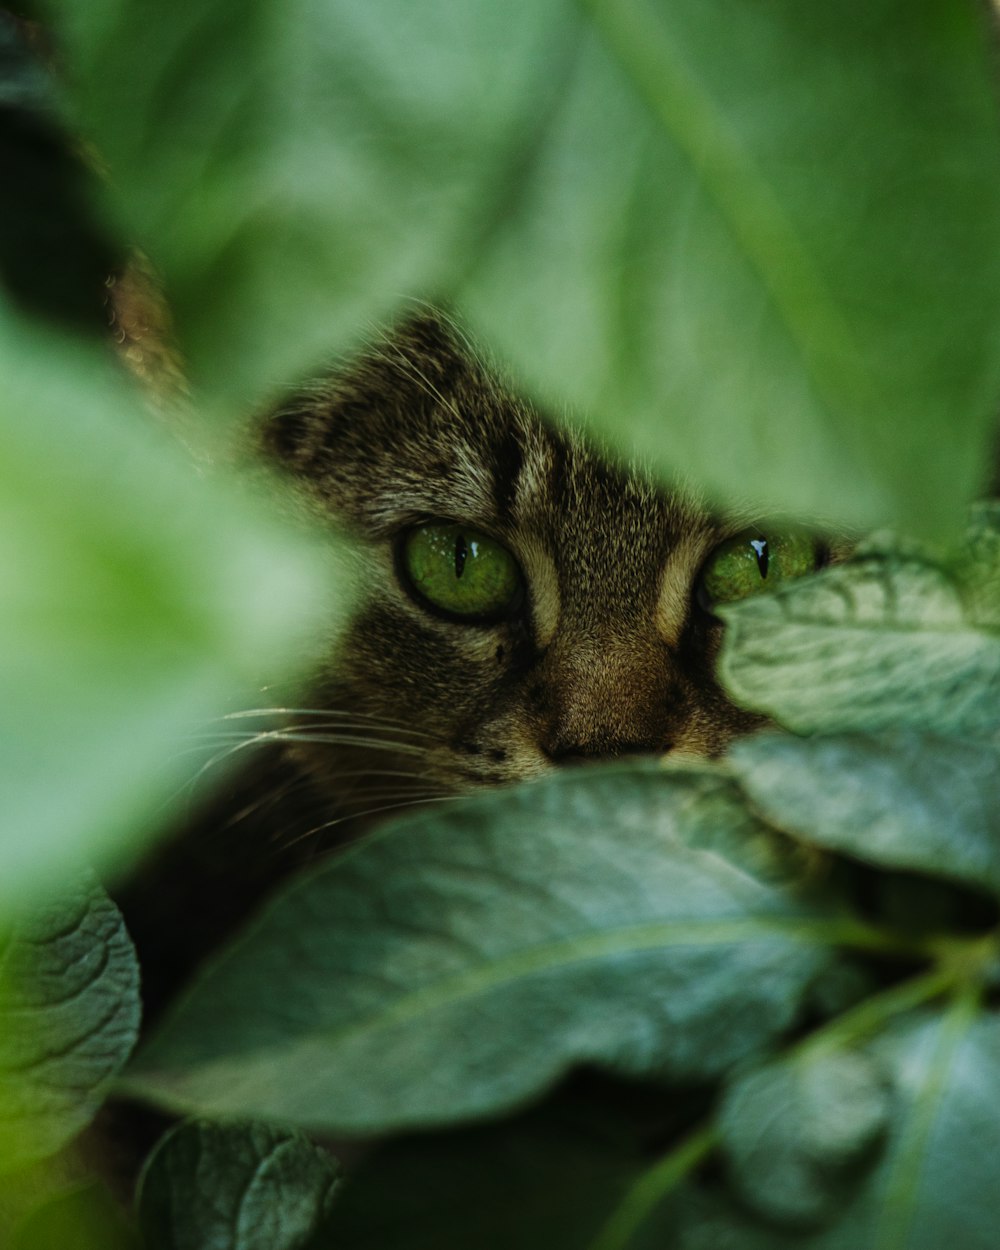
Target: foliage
[
  {"x": 759, "y": 243},
  {"x": 69, "y": 1017},
  {"x": 235, "y": 1186}
]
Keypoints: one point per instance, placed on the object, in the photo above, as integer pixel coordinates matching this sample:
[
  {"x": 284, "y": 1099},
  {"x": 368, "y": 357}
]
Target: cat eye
[
  {"x": 459, "y": 570},
  {"x": 753, "y": 562}
]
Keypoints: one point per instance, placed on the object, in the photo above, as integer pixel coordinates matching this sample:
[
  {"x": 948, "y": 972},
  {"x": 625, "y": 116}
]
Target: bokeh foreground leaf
[
  {"x": 759, "y": 243},
  {"x": 463, "y": 960},
  {"x": 137, "y": 598},
  {"x": 294, "y": 167}
]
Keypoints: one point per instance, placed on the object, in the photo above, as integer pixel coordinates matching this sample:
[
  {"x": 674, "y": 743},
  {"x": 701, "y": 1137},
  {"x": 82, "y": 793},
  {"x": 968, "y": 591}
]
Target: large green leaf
[
  {"x": 295, "y": 166},
  {"x": 138, "y": 597},
  {"x": 903, "y": 800},
  {"x": 462, "y": 961},
  {"x": 762, "y": 242},
  {"x": 69, "y": 1016},
  {"x": 235, "y": 1187},
  {"x": 884, "y": 641}
]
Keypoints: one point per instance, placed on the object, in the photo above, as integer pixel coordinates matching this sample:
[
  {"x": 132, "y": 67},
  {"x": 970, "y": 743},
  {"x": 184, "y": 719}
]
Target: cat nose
[
  {"x": 600, "y": 749},
  {"x": 611, "y": 699}
]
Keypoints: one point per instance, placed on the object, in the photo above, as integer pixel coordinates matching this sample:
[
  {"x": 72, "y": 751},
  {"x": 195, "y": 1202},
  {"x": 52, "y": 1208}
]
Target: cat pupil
[
  {"x": 760, "y": 547},
  {"x": 461, "y": 551}
]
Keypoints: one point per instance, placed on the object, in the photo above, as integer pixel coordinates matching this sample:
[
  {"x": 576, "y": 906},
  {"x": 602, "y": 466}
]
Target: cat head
[{"x": 580, "y": 629}]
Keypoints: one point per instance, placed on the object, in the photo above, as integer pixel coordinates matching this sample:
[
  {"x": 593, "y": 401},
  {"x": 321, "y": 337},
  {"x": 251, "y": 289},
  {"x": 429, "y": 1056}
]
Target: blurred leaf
[
  {"x": 797, "y": 1135},
  {"x": 235, "y": 1187},
  {"x": 69, "y": 1017},
  {"x": 882, "y": 642},
  {"x": 761, "y": 242},
  {"x": 137, "y": 599},
  {"x": 463, "y": 960},
  {"x": 904, "y": 800},
  {"x": 84, "y": 1218},
  {"x": 295, "y": 167}
]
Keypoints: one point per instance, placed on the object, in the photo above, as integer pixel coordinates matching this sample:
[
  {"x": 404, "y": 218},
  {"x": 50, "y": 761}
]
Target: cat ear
[{"x": 286, "y": 437}]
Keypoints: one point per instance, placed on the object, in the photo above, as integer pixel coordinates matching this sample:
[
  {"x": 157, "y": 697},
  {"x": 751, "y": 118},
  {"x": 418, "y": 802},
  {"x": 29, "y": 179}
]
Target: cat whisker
[
  {"x": 306, "y": 734},
  {"x": 372, "y": 811},
  {"x": 329, "y": 713}
]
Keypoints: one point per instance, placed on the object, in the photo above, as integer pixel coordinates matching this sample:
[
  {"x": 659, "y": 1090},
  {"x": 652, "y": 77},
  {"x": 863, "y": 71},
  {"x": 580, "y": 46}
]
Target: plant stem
[{"x": 652, "y": 1186}]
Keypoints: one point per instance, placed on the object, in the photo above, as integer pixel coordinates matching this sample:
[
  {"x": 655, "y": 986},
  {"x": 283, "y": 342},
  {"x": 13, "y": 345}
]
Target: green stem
[
  {"x": 645, "y": 1194},
  {"x": 868, "y": 1016}
]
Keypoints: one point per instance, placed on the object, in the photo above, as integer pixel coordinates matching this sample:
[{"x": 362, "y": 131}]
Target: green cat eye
[
  {"x": 753, "y": 562},
  {"x": 460, "y": 570}
]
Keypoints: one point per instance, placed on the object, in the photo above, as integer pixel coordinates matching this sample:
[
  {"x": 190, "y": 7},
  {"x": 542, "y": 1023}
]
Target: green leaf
[
  {"x": 690, "y": 220},
  {"x": 84, "y": 1218},
  {"x": 903, "y": 800},
  {"x": 760, "y": 243},
  {"x": 235, "y": 1187},
  {"x": 69, "y": 1017},
  {"x": 462, "y": 961},
  {"x": 138, "y": 599},
  {"x": 797, "y": 1135},
  {"x": 295, "y": 167},
  {"x": 883, "y": 641}
]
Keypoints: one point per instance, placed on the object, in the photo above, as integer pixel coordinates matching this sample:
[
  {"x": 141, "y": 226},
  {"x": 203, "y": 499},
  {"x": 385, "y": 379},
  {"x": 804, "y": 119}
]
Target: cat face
[{"x": 590, "y": 642}]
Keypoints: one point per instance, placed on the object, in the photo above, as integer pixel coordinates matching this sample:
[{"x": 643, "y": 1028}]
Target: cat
[{"x": 605, "y": 651}]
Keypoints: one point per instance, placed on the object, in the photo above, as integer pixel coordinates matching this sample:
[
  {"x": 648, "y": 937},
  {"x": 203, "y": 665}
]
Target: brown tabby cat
[{"x": 526, "y": 602}]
